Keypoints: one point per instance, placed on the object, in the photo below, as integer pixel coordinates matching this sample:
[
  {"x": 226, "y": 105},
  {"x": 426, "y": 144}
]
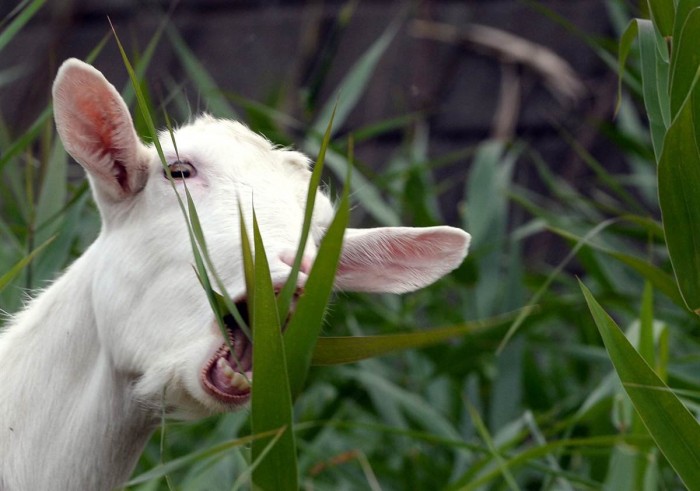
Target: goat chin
[{"x": 127, "y": 333}]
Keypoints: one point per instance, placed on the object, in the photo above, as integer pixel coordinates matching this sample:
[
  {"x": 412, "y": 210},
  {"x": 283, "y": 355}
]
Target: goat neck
[{"x": 67, "y": 417}]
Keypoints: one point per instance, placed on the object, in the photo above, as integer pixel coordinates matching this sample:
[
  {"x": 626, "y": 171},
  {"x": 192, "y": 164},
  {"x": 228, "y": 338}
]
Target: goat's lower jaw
[{"x": 227, "y": 376}]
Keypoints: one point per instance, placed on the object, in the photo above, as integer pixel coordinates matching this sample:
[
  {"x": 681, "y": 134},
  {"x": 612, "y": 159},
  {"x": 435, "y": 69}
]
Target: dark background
[{"x": 293, "y": 55}]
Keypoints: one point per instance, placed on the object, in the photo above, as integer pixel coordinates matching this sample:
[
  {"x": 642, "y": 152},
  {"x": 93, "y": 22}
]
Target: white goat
[{"x": 86, "y": 366}]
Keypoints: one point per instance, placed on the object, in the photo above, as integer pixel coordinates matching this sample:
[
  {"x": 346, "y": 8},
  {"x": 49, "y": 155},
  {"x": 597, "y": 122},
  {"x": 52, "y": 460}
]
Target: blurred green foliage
[{"x": 526, "y": 401}]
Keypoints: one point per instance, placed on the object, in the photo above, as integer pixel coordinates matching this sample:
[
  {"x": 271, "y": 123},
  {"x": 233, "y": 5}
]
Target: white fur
[{"x": 86, "y": 367}]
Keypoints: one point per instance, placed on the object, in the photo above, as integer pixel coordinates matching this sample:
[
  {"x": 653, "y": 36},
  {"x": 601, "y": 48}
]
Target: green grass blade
[
  {"x": 140, "y": 99},
  {"x": 217, "y": 104},
  {"x": 646, "y": 325},
  {"x": 485, "y": 435},
  {"x": 545, "y": 285},
  {"x": 355, "y": 82},
  {"x": 12, "y": 273},
  {"x": 9, "y": 32},
  {"x": 658, "y": 278},
  {"x": 243, "y": 479},
  {"x": 194, "y": 229},
  {"x": 532, "y": 454},
  {"x": 271, "y": 398},
  {"x": 285, "y": 296},
  {"x": 27, "y": 139},
  {"x": 350, "y": 349},
  {"x": 305, "y": 325},
  {"x": 220, "y": 303},
  {"x": 145, "y": 60},
  {"x": 248, "y": 264},
  {"x": 190, "y": 459},
  {"x": 674, "y": 429}
]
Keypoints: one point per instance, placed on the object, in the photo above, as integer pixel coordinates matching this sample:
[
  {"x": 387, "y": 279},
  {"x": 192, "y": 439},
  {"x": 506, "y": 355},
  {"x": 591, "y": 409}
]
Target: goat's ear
[
  {"x": 399, "y": 259},
  {"x": 96, "y": 129}
]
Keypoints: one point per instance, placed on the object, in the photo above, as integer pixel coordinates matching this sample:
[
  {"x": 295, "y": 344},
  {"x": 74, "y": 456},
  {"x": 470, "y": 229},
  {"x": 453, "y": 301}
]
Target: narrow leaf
[
  {"x": 7, "y": 277},
  {"x": 686, "y": 61},
  {"x": 679, "y": 198},
  {"x": 305, "y": 325},
  {"x": 350, "y": 349},
  {"x": 356, "y": 81},
  {"x": 670, "y": 424},
  {"x": 285, "y": 296},
  {"x": 192, "y": 458},
  {"x": 271, "y": 398},
  {"x": 662, "y": 11},
  {"x": 18, "y": 22}
]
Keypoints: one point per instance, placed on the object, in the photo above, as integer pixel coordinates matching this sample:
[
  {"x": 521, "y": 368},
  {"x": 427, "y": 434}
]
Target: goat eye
[{"x": 181, "y": 169}]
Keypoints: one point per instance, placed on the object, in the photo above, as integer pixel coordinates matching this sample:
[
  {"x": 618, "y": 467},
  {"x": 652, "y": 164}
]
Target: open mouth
[{"x": 228, "y": 374}]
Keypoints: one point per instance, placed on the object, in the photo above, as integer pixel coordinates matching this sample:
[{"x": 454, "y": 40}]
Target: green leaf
[
  {"x": 355, "y": 82},
  {"x": 285, "y": 296},
  {"x": 646, "y": 325},
  {"x": 679, "y": 198},
  {"x": 27, "y": 139},
  {"x": 683, "y": 8},
  {"x": 271, "y": 399},
  {"x": 658, "y": 278},
  {"x": 674, "y": 429},
  {"x": 18, "y": 22},
  {"x": 686, "y": 61},
  {"x": 306, "y": 323},
  {"x": 662, "y": 12},
  {"x": 217, "y": 103},
  {"x": 486, "y": 436},
  {"x": 655, "y": 69},
  {"x": 192, "y": 458},
  {"x": 7, "y": 277},
  {"x": 350, "y": 349}
]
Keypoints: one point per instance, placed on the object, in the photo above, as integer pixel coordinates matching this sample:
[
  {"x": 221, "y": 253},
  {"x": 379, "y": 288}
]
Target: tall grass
[{"x": 553, "y": 397}]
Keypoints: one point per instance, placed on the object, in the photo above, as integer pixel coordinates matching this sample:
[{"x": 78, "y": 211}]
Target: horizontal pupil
[{"x": 180, "y": 170}]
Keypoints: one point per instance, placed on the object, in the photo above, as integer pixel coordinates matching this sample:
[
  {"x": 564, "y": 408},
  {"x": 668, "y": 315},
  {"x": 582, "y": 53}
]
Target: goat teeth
[
  {"x": 227, "y": 371},
  {"x": 239, "y": 381}
]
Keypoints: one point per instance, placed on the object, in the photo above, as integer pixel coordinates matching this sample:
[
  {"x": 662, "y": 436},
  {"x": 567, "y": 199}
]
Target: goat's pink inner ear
[
  {"x": 96, "y": 129},
  {"x": 399, "y": 259}
]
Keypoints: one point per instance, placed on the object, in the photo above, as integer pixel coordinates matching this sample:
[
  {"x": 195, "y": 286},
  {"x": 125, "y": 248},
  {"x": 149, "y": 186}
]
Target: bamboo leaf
[
  {"x": 271, "y": 399},
  {"x": 290, "y": 285},
  {"x": 686, "y": 61},
  {"x": 217, "y": 103},
  {"x": 7, "y": 277},
  {"x": 355, "y": 82},
  {"x": 655, "y": 74},
  {"x": 305, "y": 325},
  {"x": 682, "y": 10},
  {"x": 192, "y": 458},
  {"x": 662, "y": 12},
  {"x": 350, "y": 349},
  {"x": 670, "y": 424},
  {"x": 18, "y": 22},
  {"x": 658, "y": 278},
  {"x": 495, "y": 454},
  {"x": 679, "y": 198}
]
